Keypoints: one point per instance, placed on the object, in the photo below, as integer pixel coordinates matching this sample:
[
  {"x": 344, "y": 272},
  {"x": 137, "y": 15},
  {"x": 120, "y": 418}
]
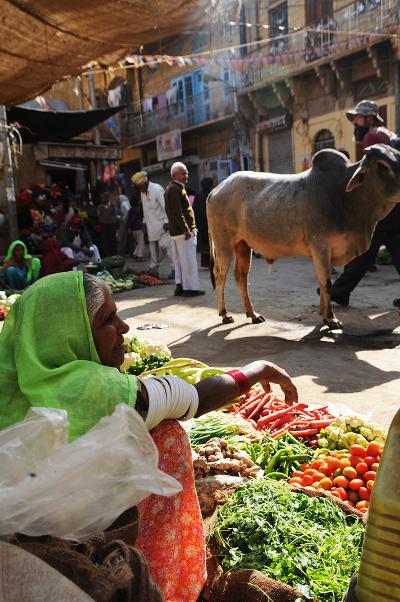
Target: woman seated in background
[
  {"x": 19, "y": 269},
  {"x": 54, "y": 260},
  {"x": 70, "y": 359}
]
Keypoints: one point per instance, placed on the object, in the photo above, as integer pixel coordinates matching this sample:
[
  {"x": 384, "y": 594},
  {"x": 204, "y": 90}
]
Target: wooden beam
[
  {"x": 279, "y": 95},
  {"x": 289, "y": 85}
]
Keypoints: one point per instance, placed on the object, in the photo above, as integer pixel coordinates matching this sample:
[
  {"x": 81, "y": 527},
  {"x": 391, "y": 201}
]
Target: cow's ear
[
  {"x": 385, "y": 168},
  {"x": 356, "y": 179}
]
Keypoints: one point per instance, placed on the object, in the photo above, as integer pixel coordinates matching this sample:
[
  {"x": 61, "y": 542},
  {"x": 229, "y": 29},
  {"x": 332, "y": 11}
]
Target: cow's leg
[
  {"x": 322, "y": 264},
  {"x": 241, "y": 272},
  {"x": 221, "y": 269}
]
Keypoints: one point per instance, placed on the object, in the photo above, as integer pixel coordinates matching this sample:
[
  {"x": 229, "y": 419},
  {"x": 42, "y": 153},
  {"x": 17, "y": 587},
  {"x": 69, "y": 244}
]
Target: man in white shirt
[
  {"x": 124, "y": 207},
  {"x": 155, "y": 219}
]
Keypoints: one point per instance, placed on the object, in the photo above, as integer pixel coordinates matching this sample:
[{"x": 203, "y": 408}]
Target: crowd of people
[{"x": 63, "y": 232}]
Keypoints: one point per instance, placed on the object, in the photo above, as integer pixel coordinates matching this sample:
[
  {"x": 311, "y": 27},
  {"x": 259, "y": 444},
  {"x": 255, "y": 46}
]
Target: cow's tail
[{"x": 212, "y": 260}]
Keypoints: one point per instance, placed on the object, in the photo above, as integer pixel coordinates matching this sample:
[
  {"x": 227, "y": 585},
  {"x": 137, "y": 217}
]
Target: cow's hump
[{"x": 330, "y": 160}]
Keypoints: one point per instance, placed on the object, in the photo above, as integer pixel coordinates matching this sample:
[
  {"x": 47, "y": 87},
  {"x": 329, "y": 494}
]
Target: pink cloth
[{"x": 171, "y": 534}]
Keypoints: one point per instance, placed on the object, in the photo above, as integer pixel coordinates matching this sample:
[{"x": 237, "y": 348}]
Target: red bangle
[{"x": 241, "y": 379}]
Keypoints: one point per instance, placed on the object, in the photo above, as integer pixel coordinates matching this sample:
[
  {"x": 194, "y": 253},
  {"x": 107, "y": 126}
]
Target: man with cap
[
  {"x": 367, "y": 131},
  {"x": 154, "y": 218},
  {"x": 182, "y": 228}
]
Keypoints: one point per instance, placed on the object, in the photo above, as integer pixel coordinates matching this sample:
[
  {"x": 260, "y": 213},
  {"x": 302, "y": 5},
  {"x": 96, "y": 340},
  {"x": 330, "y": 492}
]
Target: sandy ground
[{"x": 359, "y": 368}]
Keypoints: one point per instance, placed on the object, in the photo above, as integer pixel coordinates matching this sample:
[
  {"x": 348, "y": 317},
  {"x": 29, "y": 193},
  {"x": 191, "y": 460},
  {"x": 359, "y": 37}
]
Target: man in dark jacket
[
  {"x": 182, "y": 229},
  {"x": 367, "y": 131}
]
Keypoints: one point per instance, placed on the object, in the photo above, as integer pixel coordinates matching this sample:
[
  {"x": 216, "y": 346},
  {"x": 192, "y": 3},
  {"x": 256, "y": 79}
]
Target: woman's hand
[
  {"x": 217, "y": 391},
  {"x": 266, "y": 373}
]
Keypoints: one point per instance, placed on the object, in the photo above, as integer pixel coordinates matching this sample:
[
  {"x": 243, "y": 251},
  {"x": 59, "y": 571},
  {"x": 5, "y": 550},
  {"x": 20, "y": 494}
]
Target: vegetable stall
[{"x": 284, "y": 490}]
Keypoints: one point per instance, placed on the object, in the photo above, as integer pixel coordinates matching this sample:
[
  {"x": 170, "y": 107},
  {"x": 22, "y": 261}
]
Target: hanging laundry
[
  {"x": 147, "y": 105},
  {"x": 114, "y": 96},
  {"x": 162, "y": 101},
  {"x": 171, "y": 96}
]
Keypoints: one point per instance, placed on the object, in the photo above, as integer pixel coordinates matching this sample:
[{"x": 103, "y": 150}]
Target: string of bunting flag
[{"x": 273, "y": 54}]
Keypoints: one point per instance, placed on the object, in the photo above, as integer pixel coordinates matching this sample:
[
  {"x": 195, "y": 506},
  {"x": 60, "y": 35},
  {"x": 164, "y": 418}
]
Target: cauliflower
[
  {"x": 152, "y": 348},
  {"x": 130, "y": 359}
]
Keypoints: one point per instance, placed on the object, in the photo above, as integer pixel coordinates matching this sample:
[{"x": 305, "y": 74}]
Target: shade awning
[
  {"x": 56, "y": 126},
  {"x": 43, "y": 42}
]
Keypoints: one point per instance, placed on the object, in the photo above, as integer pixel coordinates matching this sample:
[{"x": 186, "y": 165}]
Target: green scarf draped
[
  {"x": 33, "y": 265},
  {"x": 48, "y": 358}
]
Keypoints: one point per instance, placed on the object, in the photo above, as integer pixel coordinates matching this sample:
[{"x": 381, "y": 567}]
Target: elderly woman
[
  {"x": 20, "y": 269},
  {"x": 61, "y": 346}
]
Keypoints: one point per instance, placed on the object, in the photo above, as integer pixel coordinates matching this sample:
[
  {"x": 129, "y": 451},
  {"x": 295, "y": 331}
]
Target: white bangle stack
[{"x": 169, "y": 397}]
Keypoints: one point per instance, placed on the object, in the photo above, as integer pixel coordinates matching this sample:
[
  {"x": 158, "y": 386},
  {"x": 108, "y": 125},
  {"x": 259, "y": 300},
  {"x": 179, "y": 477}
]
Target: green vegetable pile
[
  {"x": 142, "y": 355},
  {"x": 350, "y": 430},
  {"x": 212, "y": 426},
  {"x": 192, "y": 371},
  {"x": 306, "y": 542},
  {"x": 277, "y": 457}
]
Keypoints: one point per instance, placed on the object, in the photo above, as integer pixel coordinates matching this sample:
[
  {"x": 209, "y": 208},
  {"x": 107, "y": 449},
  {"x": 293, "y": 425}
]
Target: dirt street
[{"x": 359, "y": 368}]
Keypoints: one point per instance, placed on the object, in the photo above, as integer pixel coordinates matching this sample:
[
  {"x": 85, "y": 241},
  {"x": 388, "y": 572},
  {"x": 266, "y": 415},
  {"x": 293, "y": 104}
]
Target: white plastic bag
[{"x": 80, "y": 488}]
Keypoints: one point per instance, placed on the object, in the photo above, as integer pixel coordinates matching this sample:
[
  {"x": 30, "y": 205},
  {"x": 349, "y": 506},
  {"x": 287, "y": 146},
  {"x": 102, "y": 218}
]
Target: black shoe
[
  {"x": 178, "y": 290},
  {"x": 193, "y": 293},
  {"x": 396, "y": 302}
]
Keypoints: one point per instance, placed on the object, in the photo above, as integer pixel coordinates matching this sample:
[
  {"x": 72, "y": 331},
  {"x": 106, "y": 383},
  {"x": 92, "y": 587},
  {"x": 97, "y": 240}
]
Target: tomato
[
  {"x": 361, "y": 468},
  {"x": 333, "y": 454},
  {"x": 297, "y": 480},
  {"x": 317, "y": 463},
  {"x": 370, "y": 475},
  {"x": 362, "y": 504},
  {"x": 344, "y": 462},
  {"x": 353, "y": 496},
  {"x": 354, "y": 460},
  {"x": 350, "y": 473},
  {"x": 373, "y": 449},
  {"x": 369, "y": 460},
  {"x": 363, "y": 510},
  {"x": 297, "y": 473},
  {"x": 307, "y": 480},
  {"x": 357, "y": 450},
  {"x": 364, "y": 493},
  {"x": 325, "y": 469},
  {"x": 325, "y": 484},
  {"x": 333, "y": 463},
  {"x": 304, "y": 467},
  {"x": 375, "y": 466},
  {"x": 355, "y": 484},
  {"x": 310, "y": 471},
  {"x": 296, "y": 485},
  {"x": 370, "y": 485},
  {"x": 341, "y": 481},
  {"x": 336, "y": 493},
  {"x": 317, "y": 477},
  {"x": 343, "y": 493}
]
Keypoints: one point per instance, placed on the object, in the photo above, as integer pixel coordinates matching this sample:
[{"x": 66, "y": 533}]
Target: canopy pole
[{"x": 8, "y": 176}]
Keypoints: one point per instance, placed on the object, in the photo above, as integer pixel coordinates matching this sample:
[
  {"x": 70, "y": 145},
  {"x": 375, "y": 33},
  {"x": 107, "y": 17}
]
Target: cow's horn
[{"x": 356, "y": 179}]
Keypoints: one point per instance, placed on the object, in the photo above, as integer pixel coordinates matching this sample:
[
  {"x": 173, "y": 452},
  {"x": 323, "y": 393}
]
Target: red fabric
[
  {"x": 241, "y": 379},
  {"x": 375, "y": 136},
  {"x": 171, "y": 536},
  {"x": 54, "y": 260}
]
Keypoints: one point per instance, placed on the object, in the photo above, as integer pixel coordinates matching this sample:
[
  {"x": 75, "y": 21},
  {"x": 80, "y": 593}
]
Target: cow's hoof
[
  {"x": 258, "y": 320},
  {"x": 227, "y": 320},
  {"x": 334, "y": 324}
]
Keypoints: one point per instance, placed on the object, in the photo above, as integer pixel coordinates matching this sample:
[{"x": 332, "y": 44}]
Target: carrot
[
  {"x": 320, "y": 424},
  {"x": 265, "y": 419},
  {"x": 235, "y": 409},
  {"x": 258, "y": 408},
  {"x": 249, "y": 408},
  {"x": 305, "y": 433}
]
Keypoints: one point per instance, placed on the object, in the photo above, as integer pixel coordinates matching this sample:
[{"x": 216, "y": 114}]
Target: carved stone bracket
[
  {"x": 257, "y": 105},
  {"x": 373, "y": 56},
  {"x": 338, "y": 74},
  {"x": 279, "y": 96},
  {"x": 289, "y": 85},
  {"x": 323, "y": 79}
]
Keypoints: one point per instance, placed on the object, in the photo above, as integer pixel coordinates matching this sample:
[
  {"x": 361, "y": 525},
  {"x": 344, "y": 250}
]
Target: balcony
[
  {"x": 348, "y": 30},
  {"x": 215, "y": 103}
]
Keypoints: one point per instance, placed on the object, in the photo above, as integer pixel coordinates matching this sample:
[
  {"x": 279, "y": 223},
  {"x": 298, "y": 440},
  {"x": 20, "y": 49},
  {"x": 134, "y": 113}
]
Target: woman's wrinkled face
[
  {"x": 108, "y": 333},
  {"x": 18, "y": 253}
]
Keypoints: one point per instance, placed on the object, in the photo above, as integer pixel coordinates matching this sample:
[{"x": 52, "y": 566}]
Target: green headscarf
[
  {"x": 10, "y": 250},
  {"x": 48, "y": 358}
]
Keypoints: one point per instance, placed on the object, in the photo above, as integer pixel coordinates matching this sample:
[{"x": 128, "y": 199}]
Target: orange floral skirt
[{"x": 171, "y": 534}]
